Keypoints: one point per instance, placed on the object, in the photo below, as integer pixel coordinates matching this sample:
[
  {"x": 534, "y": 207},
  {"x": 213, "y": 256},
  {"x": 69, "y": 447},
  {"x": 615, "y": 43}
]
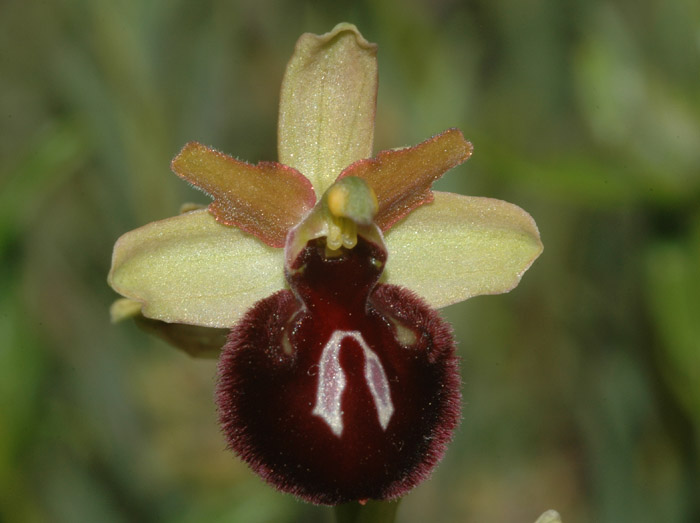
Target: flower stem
[{"x": 370, "y": 512}]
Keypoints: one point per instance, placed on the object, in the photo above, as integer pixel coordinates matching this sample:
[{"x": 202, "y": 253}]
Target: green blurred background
[{"x": 581, "y": 387}]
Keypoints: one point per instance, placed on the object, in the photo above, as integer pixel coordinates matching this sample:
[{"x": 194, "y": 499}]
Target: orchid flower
[{"x": 338, "y": 380}]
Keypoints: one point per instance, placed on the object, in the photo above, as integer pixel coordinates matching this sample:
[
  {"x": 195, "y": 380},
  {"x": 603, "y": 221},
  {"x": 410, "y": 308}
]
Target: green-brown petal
[
  {"x": 459, "y": 246},
  {"x": 401, "y": 178},
  {"x": 327, "y": 104},
  {"x": 265, "y": 200}
]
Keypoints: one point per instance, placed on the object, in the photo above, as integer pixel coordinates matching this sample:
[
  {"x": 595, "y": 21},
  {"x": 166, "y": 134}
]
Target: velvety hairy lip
[{"x": 340, "y": 389}]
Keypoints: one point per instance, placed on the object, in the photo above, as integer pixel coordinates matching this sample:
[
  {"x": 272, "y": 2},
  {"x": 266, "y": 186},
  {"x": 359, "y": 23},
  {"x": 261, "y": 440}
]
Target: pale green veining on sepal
[
  {"x": 190, "y": 269},
  {"x": 458, "y": 247}
]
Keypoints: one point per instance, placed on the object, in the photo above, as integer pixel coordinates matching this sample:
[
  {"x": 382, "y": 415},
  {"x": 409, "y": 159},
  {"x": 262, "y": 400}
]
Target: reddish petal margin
[
  {"x": 265, "y": 200},
  {"x": 401, "y": 178}
]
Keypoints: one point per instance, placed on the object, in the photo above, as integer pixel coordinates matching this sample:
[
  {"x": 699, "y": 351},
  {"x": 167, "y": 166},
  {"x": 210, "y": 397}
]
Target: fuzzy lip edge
[{"x": 244, "y": 443}]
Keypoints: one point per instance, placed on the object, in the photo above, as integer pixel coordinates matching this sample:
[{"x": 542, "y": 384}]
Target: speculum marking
[{"x": 332, "y": 382}]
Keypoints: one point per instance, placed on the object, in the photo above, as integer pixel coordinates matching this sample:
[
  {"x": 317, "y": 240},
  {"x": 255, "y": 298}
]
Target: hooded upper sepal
[{"x": 327, "y": 104}]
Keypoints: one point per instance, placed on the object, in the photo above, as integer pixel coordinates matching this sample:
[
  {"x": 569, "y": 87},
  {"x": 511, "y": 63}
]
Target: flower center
[
  {"x": 346, "y": 209},
  {"x": 340, "y": 388},
  {"x": 350, "y": 202}
]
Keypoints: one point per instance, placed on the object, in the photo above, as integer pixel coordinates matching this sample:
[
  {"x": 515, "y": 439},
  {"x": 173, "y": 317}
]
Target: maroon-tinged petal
[
  {"x": 340, "y": 391},
  {"x": 402, "y": 178},
  {"x": 265, "y": 200}
]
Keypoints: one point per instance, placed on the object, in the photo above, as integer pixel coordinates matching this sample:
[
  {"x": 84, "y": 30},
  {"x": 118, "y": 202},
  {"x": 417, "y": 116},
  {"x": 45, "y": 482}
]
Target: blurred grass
[{"x": 582, "y": 387}]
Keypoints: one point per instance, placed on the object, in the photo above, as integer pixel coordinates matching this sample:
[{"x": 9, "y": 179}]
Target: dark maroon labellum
[{"x": 343, "y": 389}]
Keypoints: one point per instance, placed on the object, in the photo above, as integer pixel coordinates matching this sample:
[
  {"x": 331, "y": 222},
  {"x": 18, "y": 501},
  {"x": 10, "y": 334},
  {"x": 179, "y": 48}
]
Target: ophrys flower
[{"x": 338, "y": 381}]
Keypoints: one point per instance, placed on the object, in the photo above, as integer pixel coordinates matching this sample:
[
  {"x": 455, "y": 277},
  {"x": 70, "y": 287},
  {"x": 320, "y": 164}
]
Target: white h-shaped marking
[{"x": 331, "y": 383}]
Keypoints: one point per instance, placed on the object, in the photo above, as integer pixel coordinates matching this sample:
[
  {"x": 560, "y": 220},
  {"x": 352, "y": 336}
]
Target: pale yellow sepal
[
  {"x": 551, "y": 516},
  {"x": 327, "y": 104},
  {"x": 458, "y": 246},
  {"x": 124, "y": 309},
  {"x": 190, "y": 269}
]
